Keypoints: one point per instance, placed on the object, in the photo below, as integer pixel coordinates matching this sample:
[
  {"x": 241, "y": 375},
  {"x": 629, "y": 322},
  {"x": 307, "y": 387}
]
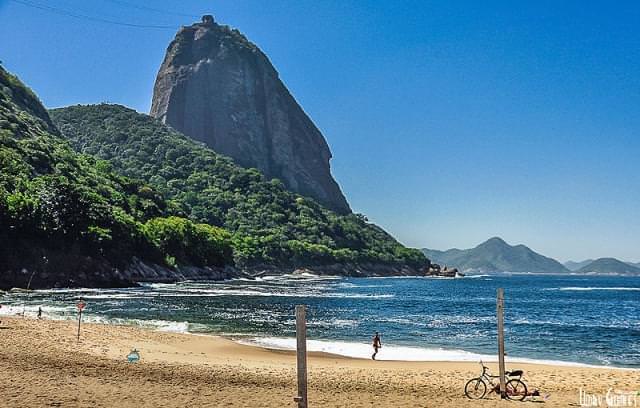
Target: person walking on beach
[
  {"x": 39, "y": 313},
  {"x": 376, "y": 345}
]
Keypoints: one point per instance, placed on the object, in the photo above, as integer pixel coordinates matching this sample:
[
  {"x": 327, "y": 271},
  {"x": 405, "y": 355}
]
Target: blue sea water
[{"x": 592, "y": 320}]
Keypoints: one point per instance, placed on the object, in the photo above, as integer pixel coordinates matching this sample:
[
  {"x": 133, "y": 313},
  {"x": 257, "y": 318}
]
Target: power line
[
  {"x": 87, "y": 17},
  {"x": 124, "y": 3}
]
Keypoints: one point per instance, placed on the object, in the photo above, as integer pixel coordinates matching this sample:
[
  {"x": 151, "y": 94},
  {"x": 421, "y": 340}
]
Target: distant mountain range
[
  {"x": 603, "y": 265},
  {"x": 495, "y": 255},
  {"x": 575, "y": 265},
  {"x": 609, "y": 266}
]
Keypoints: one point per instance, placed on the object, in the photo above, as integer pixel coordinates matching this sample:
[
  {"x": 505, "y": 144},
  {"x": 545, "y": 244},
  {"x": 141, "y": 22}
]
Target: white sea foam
[
  {"x": 332, "y": 323},
  {"x": 65, "y": 290},
  {"x": 119, "y": 295},
  {"x": 350, "y": 285},
  {"x": 613, "y": 324},
  {"x": 71, "y": 313},
  {"x": 244, "y": 292},
  {"x": 32, "y": 310},
  {"x": 11, "y": 310},
  {"x": 576, "y": 288},
  {"x": 255, "y": 291},
  {"x": 159, "y": 325},
  {"x": 297, "y": 277},
  {"x": 174, "y": 327},
  {"x": 394, "y": 353},
  {"x": 161, "y": 285}
]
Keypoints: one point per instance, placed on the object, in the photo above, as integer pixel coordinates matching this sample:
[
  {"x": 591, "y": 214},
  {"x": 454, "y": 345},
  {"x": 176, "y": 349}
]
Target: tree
[{"x": 189, "y": 243}]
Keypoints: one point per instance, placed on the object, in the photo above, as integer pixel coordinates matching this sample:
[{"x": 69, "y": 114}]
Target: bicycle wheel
[
  {"x": 516, "y": 390},
  {"x": 475, "y": 388}
]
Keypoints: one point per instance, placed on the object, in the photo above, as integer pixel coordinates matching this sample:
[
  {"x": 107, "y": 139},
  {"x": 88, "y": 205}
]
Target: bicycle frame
[
  {"x": 495, "y": 387},
  {"x": 489, "y": 378}
]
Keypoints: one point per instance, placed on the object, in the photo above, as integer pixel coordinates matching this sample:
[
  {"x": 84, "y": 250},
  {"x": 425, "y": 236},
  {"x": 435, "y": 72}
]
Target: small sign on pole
[
  {"x": 500, "y": 313},
  {"x": 301, "y": 337},
  {"x": 81, "y": 305}
]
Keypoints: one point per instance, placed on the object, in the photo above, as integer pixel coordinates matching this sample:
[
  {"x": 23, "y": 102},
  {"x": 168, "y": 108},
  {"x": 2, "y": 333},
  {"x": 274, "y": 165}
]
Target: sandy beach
[{"x": 42, "y": 365}]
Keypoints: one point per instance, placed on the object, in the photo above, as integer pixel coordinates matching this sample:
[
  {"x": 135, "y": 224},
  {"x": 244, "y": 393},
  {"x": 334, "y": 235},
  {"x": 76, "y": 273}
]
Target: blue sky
[{"x": 449, "y": 122}]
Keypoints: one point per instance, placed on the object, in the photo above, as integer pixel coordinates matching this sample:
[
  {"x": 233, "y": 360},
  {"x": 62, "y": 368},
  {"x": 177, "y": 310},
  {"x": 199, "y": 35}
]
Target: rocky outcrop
[
  {"x": 217, "y": 87},
  {"x": 63, "y": 270},
  {"x": 57, "y": 270},
  {"x": 446, "y": 272},
  {"x": 360, "y": 270}
]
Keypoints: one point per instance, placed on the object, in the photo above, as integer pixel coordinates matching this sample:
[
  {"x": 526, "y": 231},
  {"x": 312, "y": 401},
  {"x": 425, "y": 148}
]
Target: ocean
[{"x": 580, "y": 320}]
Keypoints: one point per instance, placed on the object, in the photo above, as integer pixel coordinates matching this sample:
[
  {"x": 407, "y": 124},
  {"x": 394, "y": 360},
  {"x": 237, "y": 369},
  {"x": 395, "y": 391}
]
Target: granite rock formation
[{"x": 219, "y": 88}]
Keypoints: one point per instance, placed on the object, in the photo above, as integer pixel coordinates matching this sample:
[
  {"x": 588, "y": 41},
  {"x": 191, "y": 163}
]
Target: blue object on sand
[{"x": 134, "y": 356}]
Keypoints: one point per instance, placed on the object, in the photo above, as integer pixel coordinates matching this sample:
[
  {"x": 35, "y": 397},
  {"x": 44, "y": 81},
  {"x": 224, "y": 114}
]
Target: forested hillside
[
  {"x": 270, "y": 226},
  {"x": 66, "y": 219}
]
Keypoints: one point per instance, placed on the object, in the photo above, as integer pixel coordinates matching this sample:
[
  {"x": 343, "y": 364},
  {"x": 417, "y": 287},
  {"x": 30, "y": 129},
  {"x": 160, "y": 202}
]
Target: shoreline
[
  {"x": 348, "y": 349},
  {"x": 255, "y": 341},
  {"x": 43, "y": 364}
]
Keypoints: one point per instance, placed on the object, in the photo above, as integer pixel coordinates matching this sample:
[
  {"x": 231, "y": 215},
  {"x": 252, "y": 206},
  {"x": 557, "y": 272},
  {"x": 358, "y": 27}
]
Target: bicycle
[{"x": 515, "y": 388}]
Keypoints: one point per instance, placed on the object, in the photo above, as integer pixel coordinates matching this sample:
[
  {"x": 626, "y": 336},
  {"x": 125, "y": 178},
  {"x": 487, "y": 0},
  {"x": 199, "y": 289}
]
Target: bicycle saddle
[{"x": 515, "y": 373}]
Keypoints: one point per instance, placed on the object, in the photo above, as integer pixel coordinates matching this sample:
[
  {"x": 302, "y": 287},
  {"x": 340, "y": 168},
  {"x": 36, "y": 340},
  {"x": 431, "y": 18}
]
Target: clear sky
[{"x": 450, "y": 122}]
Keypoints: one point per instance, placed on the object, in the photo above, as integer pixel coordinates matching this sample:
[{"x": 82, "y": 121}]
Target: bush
[{"x": 189, "y": 243}]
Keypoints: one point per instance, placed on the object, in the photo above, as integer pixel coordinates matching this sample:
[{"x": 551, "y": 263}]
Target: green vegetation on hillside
[
  {"x": 269, "y": 225},
  {"x": 191, "y": 243},
  {"x": 56, "y": 201}
]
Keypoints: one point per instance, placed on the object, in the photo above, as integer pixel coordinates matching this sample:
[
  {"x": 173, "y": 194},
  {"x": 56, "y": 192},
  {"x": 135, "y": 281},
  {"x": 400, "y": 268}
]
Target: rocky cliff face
[
  {"x": 217, "y": 87},
  {"x": 55, "y": 269}
]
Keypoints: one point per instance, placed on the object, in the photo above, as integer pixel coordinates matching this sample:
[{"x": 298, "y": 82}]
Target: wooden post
[
  {"x": 500, "y": 312},
  {"x": 79, "y": 320},
  {"x": 80, "y": 307},
  {"x": 301, "y": 337},
  {"x": 24, "y": 306}
]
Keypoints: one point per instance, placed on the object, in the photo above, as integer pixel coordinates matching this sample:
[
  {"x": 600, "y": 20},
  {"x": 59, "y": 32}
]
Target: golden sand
[{"x": 42, "y": 365}]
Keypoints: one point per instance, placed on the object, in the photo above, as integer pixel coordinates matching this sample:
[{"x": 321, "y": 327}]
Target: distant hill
[
  {"x": 610, "y": 266},
  {"x": 495, "y": 255},
  {"x": 575, "y": 265}
]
